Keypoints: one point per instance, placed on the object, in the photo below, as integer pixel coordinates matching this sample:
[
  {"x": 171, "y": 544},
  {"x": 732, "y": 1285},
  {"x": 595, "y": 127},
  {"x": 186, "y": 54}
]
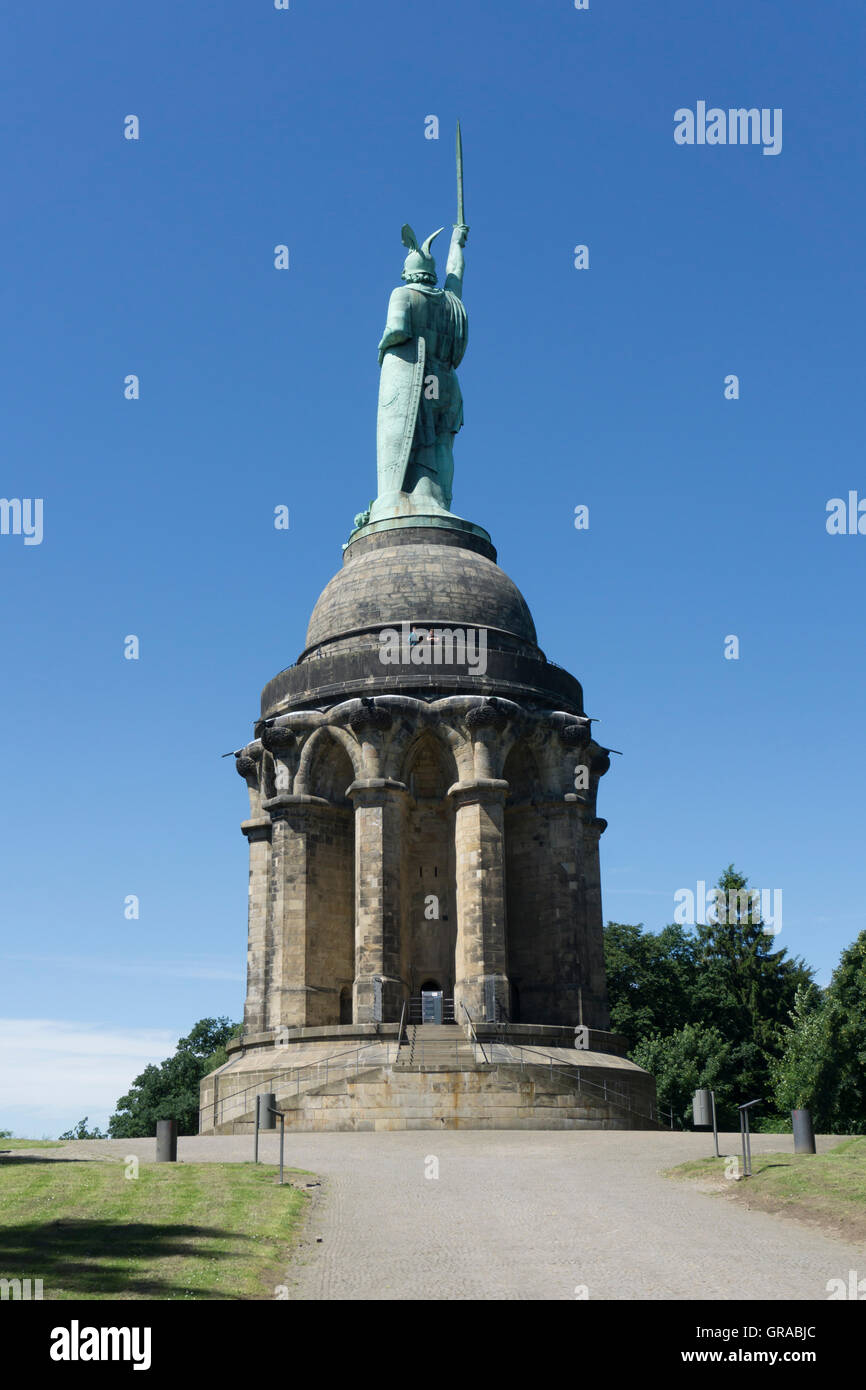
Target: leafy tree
[
  {"x": 80, "y": 1131},
  {"x": 822, "y": 1064},
  {"x": 685, "y": 1060},
  {"x": 724, "y": 978},
  {"x": 649, "y": 979},
  {"x": 171, "y": 1090}
]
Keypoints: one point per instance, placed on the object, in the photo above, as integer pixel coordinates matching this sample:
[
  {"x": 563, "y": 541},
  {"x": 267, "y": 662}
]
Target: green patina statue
[{"x": 420, "y": 405}]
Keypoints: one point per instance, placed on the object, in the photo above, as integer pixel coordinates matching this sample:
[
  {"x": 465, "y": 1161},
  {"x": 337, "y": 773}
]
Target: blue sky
[{"x": 602, "y": 387}]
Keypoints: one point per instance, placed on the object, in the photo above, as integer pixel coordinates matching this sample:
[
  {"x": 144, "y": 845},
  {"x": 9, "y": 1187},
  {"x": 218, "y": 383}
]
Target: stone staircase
[
  {"x": 437, "y": 1047},
  {"x": 405, "y": 1096}
]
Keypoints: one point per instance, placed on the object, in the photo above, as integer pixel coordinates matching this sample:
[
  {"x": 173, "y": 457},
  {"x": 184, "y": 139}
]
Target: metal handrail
[
  {"x": 621, "y": 1102},
  {"x": 293, "y": 1073},
  {"x": 401, "y": 1026},
  {"x": 475, "y": 1038}
]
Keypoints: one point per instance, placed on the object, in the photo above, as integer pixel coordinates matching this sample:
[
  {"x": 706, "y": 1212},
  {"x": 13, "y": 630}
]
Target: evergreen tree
[{"x": 722, "y": 988}]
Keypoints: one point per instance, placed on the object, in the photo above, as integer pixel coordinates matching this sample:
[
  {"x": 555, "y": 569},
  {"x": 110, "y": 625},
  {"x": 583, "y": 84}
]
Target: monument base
[{"x": 437, "y": 1077}]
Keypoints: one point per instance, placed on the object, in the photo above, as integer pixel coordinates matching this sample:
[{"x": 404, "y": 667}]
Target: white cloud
[
  {"x": 167, "y": 970},
  {"x": 55, "y": 1072}
]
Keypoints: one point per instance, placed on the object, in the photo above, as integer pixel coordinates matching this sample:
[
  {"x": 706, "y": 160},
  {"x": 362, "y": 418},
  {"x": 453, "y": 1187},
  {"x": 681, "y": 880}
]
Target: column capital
[
  {"x": 259, "y": 828},
  {"x": 375, "y": 788},
  {"x": 284, "y": 802},
  {"x": 479, "y": 789}
]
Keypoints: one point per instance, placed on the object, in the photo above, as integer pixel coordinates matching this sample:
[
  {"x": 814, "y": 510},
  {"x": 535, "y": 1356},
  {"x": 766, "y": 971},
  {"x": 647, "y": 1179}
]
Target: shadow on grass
[
  {"x": 97, "y": 1259},
  {"x": 10, "y": 1158}
]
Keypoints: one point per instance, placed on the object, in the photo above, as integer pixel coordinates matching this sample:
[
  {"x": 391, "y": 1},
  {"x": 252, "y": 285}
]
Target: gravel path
[{"x": 527, "y": 1215}]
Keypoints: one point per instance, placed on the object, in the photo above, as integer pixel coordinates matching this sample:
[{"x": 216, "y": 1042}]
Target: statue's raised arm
[{"x": 456, "y": 260}]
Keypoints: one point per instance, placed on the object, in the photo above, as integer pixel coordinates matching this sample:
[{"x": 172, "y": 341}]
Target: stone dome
[
  {"x": 411, "y": 576},
  {"x": 432, "y": 576}
]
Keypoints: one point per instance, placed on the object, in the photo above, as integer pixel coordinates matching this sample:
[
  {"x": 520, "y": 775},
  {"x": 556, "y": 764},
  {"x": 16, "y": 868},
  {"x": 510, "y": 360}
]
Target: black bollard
[
  {"x": 166, "y": 1141},
  {"x": 804, "y": 1135}
]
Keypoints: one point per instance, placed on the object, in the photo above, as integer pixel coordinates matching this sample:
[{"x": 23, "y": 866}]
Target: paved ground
[{"x": 528, "y": 1215}]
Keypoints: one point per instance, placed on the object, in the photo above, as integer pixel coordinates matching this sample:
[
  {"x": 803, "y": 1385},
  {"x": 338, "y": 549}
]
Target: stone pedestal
[{"x": 422, "y": 822}]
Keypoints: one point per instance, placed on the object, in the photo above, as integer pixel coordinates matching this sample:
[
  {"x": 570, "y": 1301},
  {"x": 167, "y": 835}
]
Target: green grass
[
  {"x": 826, "y": 1189},
  {"x": 30, "y": 1144},
  {"x": 185, "y": 1231}
]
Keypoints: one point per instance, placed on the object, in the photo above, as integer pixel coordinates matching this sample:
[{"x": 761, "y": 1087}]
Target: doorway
[{"x": 431, "y": 1002}]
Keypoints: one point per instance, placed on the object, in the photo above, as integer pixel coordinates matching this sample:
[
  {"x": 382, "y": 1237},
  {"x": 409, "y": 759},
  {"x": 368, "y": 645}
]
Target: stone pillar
[
  {"x": 593, "y": 828},
  {"x": 481, "y": 956},
  {"x": 258, "y": 833},
  {"x": 288, "y": 914},
  {"x": 585, "y": 830},
  {"x": 380, "y": 968}
]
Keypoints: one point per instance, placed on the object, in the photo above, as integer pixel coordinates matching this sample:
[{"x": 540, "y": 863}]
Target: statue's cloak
[{"x": 429, "y": 330}]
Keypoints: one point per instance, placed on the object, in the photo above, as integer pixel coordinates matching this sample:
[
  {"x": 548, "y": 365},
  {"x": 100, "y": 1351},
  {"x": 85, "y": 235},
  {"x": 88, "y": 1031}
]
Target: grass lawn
[
  {"x": 826, "y": 1190},
  {"x": 30, "y": 1144},
  {"x": 186, "y": 1230}
]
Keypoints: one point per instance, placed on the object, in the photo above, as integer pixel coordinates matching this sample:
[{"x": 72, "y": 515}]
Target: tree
[
  {"x": 723, "y": 978},
  {"x": 744, "y": 986},
  {"x": 80, "y": 1131},
  {"x": 649, "y": 979},
  {"x": 693, "y": 1056},
  {"x": 822, "y": 1061},
  {"x": 171, "y": 1090}
]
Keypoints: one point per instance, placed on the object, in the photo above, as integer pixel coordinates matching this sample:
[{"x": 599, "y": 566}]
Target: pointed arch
[{"x": 329, "y": 763}]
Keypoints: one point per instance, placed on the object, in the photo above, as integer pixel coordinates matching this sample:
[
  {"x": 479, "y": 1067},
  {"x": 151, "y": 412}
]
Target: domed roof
[{"x": 417, "y": 577}]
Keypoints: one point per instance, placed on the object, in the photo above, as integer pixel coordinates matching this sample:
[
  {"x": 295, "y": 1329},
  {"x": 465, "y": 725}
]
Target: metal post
[
  {"x": 804, "y": 1135},
  {"x": 166, "y": 1141},
  {"x": 264, "y": 1116},
  {"x": 282, "y": 1141},
  {"x": 745, "y": 1136},
  {"x": 715, "y": 1126}
]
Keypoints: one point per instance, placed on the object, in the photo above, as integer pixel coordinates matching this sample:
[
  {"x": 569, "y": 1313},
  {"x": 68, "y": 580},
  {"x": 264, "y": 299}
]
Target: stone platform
[{"x": 438, "y": 1077}]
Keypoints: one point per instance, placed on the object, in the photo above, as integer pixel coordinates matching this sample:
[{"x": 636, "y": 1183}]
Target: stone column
[
  {"x": 258, "y": 833},
  {"x": 289, "y": 916},
  {"x": 596, "y": 1009},
  {"x": 481, "y": 956},
  {"x": 380, "y": 966}
]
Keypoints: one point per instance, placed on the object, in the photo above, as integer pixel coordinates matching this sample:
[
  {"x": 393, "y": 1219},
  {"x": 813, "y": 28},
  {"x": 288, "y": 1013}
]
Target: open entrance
[
  {"x": 431, "y": 1004},
  {"x": 430, "y": 920}
]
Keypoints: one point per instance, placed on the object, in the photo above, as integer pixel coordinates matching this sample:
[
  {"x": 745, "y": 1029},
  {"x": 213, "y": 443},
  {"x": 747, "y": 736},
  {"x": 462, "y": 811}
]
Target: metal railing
[
  {"x": 472, "y": 1033},
  {"x": 603, "y": 1090},
  {"x": 288, "y": 1081},
  {"x": 416, "y": 1010}
]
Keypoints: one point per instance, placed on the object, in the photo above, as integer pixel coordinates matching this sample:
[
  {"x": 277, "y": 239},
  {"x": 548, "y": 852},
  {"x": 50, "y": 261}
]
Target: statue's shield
[{"x": 400, "y": 384}]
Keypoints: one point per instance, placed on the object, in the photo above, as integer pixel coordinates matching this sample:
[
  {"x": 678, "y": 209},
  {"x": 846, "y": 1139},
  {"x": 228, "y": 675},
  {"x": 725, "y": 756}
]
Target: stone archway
[
  {"x": 330, "y": 882},
  {"x": 430, "y": 930},
  {"x": 529, "y": 886}
]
